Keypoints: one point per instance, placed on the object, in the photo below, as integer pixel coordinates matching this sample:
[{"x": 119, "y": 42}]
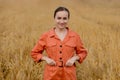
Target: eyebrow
[
  {"x": 64, "y": 17},
  {"x": 61, "y": 17}
]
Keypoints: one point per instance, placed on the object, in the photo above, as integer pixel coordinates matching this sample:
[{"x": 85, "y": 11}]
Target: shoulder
[
  {"x": 46, "y": 34},
  {"x": 73, "y": 33}
]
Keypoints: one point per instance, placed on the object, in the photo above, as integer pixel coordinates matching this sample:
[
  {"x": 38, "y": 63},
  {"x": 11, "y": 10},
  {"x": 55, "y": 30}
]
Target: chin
[{"x": 61, "y": 27}]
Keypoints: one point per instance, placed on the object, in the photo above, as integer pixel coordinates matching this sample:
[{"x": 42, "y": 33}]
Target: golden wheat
[{"x": 22, "y": 22}]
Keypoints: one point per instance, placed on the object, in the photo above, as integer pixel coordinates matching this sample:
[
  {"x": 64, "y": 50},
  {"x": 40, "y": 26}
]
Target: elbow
[{"x": 36, "y": 56}]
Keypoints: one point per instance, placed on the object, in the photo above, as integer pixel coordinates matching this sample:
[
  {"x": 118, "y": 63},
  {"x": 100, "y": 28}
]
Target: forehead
[{"x": 62, "y": 14}]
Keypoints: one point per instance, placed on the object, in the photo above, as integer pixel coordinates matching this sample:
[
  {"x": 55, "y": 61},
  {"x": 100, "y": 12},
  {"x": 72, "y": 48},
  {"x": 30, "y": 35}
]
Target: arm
[
  {"x": 80, "y": 55},
  {"x": 72, "y": 60},
  {"x": 48, "y": 60},
  {"x": 36, "y": 52},
  {"x": 80, "y": 50}
]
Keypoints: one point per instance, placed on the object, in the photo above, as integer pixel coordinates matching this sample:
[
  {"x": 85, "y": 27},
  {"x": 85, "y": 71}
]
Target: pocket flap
[
  {"x": 51, "y": 43},
  {"x": 71, "y": 44}
]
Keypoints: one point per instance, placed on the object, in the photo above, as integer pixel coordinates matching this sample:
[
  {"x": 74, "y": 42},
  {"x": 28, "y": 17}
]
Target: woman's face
[{"x": 61, "y": 19}]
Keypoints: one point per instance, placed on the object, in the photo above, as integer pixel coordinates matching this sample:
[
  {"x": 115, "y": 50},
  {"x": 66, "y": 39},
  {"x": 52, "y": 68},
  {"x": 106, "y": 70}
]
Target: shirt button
[
  {"x": 60, "y": 52},
  {"x": 60, "y": 58},
  {"x": 60, "y": 45}
]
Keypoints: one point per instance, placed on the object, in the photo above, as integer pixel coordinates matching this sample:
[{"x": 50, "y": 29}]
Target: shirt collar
[
  {"x": 70, "y": 32},
  {"x": 52, "y": 32}
]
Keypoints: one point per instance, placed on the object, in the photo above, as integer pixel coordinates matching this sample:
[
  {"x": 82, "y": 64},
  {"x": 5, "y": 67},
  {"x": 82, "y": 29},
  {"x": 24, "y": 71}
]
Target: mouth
[{"x": 62, "y": 24}]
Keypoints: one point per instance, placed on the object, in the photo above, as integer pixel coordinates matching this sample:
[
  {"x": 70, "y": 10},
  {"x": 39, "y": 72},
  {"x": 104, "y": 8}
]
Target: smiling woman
[{"x": 60, "y": 44}]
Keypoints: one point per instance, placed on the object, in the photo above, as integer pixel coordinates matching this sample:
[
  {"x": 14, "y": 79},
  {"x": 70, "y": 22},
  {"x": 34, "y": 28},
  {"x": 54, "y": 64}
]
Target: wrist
[
  {"x": 76, "y": 57},
  {"x": 44, "y": 58}
]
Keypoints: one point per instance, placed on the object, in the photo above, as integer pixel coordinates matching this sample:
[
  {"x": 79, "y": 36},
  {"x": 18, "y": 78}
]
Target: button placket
[
  {"x": 60, "y": 52},
  {"x": 61, "y": 46},
  {"x": 60, "y": 55}
]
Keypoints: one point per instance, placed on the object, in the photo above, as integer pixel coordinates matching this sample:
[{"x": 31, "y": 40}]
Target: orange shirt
[{"x": 60, "y": 51}]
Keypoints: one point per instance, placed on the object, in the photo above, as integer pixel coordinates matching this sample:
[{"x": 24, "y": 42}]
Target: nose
[{"x": 61, "y": 21}]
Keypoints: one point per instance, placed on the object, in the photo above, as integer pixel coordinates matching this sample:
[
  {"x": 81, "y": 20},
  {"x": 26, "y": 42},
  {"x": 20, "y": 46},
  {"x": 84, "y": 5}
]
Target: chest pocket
[
  {"x": 51, "y": 46},
  {"x": 51, "y": 43},
  {"x": 70, "y": 45}
]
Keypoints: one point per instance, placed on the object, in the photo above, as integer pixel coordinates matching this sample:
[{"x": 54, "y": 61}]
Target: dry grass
[{"x": 23, "y": 21}]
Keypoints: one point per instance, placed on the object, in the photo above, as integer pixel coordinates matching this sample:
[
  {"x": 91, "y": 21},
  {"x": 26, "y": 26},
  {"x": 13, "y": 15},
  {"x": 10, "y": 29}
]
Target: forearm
[
  {"x": 44, "y": 58},
  {"x": 48, "y": 60},
  {"x": 76, "y": 57}
]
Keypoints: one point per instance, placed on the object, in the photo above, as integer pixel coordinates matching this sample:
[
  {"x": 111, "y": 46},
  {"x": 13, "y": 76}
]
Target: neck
[{"x": 60, "y": 30}]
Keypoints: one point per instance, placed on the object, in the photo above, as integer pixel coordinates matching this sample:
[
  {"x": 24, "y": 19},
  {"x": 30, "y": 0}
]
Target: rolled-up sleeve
[
  {"x": 80, "y": 50},
  {"x": 36, "y": 52}
]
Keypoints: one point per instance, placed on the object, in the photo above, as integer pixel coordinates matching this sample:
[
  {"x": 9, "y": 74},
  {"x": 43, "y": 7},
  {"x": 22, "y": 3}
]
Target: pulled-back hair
[{"x": 62, "y": 9}]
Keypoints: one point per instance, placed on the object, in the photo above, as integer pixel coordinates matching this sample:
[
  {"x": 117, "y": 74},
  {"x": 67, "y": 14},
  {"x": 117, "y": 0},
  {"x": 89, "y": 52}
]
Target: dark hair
[{"x": 62, "y": 9}]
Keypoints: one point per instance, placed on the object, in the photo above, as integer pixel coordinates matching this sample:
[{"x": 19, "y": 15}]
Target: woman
[{"x": 63, "y": 48}]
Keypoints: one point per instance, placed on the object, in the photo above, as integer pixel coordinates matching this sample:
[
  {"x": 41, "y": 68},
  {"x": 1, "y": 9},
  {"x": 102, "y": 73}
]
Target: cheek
[
  {"x": 56, "y": 20},
  {"x": 66, "y": 21}
]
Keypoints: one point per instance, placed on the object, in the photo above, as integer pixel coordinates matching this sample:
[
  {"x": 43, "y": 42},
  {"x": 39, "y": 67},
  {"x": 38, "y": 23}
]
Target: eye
[
  {"x": 64, "y": 18},
  {"x": 58, "y": 17}
]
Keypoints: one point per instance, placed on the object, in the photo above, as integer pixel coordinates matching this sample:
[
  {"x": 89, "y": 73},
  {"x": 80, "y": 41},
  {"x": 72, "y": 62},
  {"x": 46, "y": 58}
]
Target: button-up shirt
[{"x": 60, "y": 52}]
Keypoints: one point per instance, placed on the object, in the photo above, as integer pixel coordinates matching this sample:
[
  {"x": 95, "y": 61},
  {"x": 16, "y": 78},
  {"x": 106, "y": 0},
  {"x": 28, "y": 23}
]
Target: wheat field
[{"x": 96, "y": 21}]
